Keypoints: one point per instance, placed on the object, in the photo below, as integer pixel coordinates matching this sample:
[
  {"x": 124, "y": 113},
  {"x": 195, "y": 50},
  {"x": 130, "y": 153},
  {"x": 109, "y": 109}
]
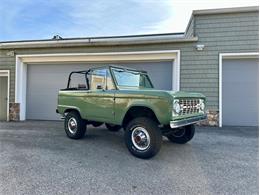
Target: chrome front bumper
[{"x": 189, "y": 121}]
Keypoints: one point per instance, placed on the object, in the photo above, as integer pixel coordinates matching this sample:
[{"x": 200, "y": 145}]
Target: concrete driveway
[{"x": 37, "y": 158}]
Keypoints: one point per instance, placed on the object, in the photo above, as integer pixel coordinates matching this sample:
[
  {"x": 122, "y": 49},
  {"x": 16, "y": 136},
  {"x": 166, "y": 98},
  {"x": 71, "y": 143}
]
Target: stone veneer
[
  {"x": 213, "y": 116},
  {"x": 14, "y": 111},
  {"x": 213, "y": 119}
]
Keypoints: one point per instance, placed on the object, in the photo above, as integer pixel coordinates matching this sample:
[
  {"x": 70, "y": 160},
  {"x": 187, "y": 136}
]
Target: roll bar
[{"x": 85, "y": 72}]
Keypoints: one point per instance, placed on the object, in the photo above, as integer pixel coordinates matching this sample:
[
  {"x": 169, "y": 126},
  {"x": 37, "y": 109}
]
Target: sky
[{"x": 42, "y": 19}]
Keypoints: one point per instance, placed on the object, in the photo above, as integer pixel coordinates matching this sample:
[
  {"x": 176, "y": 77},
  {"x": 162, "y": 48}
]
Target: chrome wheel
[
  {"x": 140, "y": 138},
  {"x": 72, "y": 125}
]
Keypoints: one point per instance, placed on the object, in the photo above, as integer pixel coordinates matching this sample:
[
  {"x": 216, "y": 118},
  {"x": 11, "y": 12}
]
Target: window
[
  {"x": 101, "y": 79},
  {"x": 78, "y": 81},
  {"x": 130, "y": 78},
  {"x": 110, "y": 83}
]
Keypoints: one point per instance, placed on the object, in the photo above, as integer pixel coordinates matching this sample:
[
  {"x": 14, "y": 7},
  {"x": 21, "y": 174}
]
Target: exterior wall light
[{"x": 200, "y": 47}]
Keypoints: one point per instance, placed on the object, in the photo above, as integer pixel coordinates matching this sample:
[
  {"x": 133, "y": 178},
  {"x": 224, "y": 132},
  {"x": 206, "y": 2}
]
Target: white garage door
[
  {"x": 44, "y": 82},
  {"x": 240, "y": 92}
]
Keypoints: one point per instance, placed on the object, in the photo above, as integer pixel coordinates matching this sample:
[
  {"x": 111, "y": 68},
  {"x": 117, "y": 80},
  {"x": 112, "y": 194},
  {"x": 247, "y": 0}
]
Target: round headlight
[
  {"x": 176, "y": 107},
  {"x": 202, "y": 105}
]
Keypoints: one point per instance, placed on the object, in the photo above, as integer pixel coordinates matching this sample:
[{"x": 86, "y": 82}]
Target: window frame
[
  {"x": 85, "y": 73},
  {"x": 126, "y": 69},
  {"x": 107, "y": 71}
]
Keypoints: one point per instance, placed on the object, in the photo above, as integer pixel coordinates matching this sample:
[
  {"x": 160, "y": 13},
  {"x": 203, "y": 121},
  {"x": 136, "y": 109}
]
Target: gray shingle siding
[
  {"x": 8, "y": 63},
  {"x": 236, "y": 32},
  {"x": 190, "y": 28},
  {"x": 220, "y": 33}
]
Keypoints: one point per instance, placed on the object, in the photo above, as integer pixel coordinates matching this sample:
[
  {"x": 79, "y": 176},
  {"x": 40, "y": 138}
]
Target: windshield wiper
[
  {"x": 128, "y": 71},
  {"x": 119, "y": 70}
]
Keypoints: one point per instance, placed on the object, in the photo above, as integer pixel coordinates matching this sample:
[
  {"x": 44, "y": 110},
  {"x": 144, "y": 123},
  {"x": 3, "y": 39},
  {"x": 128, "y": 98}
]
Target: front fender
[{"x": 160, "y": 106}]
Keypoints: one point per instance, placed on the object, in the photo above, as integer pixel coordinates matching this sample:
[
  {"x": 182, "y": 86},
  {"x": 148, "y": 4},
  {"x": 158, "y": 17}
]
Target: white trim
[
  {"x": 230, "y": 56},
  {"x": 23, "y": 60},
  {"x": 176, "y": 72},
  {"x": 99, "y": 57},
  {"x": 6, "y": 73},
  {"x": 220, "y": 90},
  {"x": 100, "y": 54}
]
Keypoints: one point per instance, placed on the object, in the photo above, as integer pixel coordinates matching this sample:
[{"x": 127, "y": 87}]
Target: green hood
[
  {"x": 154, "y": 93},
  {"x": 183, "y": 94}
]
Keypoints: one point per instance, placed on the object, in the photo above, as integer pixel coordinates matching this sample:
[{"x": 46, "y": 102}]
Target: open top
[{"x": 107, "y": 78}]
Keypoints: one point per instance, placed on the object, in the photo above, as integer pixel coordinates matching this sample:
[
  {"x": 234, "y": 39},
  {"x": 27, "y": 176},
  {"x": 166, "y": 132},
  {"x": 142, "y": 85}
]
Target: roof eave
[
  {"x": 92, "y": 42},
  {"x": 226, "y": 10}
]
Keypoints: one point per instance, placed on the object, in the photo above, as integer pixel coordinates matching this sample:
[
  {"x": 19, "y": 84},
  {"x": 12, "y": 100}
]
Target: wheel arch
[
  {"x": 135, "y": 111},
  {"x": 67, "y": 110}
]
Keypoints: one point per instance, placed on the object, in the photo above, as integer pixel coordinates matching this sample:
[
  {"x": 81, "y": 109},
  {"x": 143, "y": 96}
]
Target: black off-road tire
[
  {"x": 182, "y": 135},
  {"x": 113, "y": 128},
  {"x": 81, "y": 126},
  {"x": 153, "y": 131}
]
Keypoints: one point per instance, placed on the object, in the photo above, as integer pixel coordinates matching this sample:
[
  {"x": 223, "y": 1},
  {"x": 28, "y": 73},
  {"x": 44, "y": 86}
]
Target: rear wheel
[
  {"x": 182, "y": 135},
  {"x": 112, "y": 127},
  {"x": 143, "y": 138},
  {"x": 75, "y": 126}
]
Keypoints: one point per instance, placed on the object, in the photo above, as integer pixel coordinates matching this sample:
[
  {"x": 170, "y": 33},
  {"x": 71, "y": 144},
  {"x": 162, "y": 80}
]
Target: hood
[
  {"x": 154, "y": 93},
  {"x": 184, "y": 94}
]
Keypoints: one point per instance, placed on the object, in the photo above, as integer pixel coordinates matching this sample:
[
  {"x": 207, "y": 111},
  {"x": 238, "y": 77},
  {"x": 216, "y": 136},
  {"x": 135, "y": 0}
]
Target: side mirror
[
  {"x": 99, "y": 86},
  {"x": 82, "y": 86}
]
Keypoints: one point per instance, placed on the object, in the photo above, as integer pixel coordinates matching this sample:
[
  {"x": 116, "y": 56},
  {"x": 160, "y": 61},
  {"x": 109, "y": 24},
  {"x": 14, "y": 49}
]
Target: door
[
  {"x": 240, "y": 92},
  {"x": 3, "y": 97},
  {"x": 100, "y": 98}
]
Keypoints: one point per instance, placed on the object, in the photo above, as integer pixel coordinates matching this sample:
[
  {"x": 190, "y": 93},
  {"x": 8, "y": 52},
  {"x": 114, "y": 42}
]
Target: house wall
[
  {"x": 190, "y": 28},
  {"x": 230, "y": 32},
  {"x": 88, "y": 49},
  {"x": 220, "y": 33},
  {"x": 8, "y": 63}
]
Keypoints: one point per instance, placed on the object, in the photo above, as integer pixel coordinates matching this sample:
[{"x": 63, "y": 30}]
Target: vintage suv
[{"x": 125, "y": 98}]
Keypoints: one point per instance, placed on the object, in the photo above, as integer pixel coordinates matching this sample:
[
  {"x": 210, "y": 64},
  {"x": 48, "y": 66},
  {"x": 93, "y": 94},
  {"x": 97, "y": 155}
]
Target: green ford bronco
[{"x": 121, "y": 97}]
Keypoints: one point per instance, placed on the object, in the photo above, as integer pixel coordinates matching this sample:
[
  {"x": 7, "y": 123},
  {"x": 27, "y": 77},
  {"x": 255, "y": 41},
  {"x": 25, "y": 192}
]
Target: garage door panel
[
  {"x": 45, "y": 80},
  {"x": 43, "y": 84},
  {"x": 160, "y": 73},
  {"x": 240, "y": 92}
]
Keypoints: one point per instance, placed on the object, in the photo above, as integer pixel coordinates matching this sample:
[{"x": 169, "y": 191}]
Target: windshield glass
[{"x": 128, "y": 78}]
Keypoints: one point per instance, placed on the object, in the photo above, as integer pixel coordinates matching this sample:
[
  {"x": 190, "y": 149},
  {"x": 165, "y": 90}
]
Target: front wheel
[
  {"x": 182, "y": 135},
  {"x": 143, "y": 138},
  {"x": 75, "y": 126}
]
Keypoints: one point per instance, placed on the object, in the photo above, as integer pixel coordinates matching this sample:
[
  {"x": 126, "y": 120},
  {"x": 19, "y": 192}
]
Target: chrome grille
[{"x": 189, "y": 106}]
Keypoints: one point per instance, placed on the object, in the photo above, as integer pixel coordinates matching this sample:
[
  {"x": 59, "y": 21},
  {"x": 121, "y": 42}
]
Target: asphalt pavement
[{"x": 36, "y": 157}]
